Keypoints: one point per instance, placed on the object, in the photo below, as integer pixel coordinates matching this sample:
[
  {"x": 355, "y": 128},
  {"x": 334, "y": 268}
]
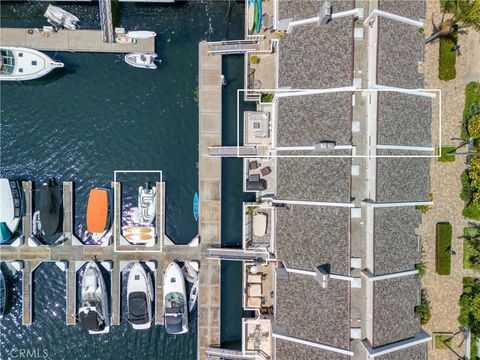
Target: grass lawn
[
  {"x": 471, "y": 212},
  {"x": 443, "y": 247},
  {"x": 441, "y": 340},
  {"x": 447, "y": 58},
  {"x": 444, "y": 151}
]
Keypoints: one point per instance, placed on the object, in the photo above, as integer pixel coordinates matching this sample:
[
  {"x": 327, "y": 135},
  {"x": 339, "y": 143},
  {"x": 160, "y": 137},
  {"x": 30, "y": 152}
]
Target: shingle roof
[
  {"x": 394, "y": 316},
  {"x": 396, "y": 246},
  {"x": 306, "y": 120},
  {"x": 314, "y": 179},
  {"x": 404, "y": 119},
  {"x": 413, "y": 9},
  {"x": 309, "y": 236},
  {"x": 307, "y": 311},
  {"x": 401, "y": 179},
  {"x": 313, "y": 56},
  {"x": 287, "y": 350},
  {"x": 417, "y": 352}
]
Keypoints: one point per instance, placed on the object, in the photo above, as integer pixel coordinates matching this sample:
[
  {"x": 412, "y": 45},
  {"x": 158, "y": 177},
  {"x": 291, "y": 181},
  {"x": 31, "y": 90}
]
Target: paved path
[{"x": 444, "y": 291}]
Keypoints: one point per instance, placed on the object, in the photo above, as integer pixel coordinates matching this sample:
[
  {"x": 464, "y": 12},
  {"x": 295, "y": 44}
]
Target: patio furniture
[
  {"x": 259, "y": 224},
  {"x": 254, "y": 279},
  {"x": 252, "y": 165},
  {"x": 254, "y": 302},
  {"x": 256, "y": 185},
  {"x": 265, "y": 170},
  {"x": 255, "y": 290}
]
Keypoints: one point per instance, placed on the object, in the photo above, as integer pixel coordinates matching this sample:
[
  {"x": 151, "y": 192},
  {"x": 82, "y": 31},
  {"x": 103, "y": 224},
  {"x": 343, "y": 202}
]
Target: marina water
[{"x": 98, "y": 115}]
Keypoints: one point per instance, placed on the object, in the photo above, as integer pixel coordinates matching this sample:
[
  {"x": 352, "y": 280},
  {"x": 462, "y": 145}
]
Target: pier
[{"x": 72, "y": 41}]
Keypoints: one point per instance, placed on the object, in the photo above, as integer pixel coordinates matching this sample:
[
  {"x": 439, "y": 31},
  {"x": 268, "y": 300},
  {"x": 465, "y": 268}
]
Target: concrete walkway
[{"x": 444, "y": 291}]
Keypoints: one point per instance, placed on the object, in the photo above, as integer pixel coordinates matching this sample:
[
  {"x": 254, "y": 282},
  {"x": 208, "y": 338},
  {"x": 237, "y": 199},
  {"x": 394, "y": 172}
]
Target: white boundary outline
[
  {"x": 114, "y": 206},
  {"x": 308, "y": 92}
]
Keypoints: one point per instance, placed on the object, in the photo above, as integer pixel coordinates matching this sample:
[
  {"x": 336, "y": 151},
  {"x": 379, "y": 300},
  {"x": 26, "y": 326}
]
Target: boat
[
  {"x": 175, "y": 300},
  {"x": 195, "y": 206},
  {"x": 192, "y": 300},
  {"x": 60, "y": 18},
  {"x": 19, "y": 64},
  {"x": 138, "y": 235},
  {"x": 142, "y": 60},
  {"x": 124, "y": 39},
  {"x": 3, "y": 294},
  {"x": 11, "y": 208},
  {"x": 139, "y": 298},
  {"x": 258, "y": 18},
  {"x": 93, "y": 314},
  {"x": 251, "y": 16},
  {"x": 99, "y": 212},
  {"x": 189, "y": 272},
  {"x": 51, "y": 209},
  {"x": 147, "y": 204},
  {"x": 141, "y": 34}
]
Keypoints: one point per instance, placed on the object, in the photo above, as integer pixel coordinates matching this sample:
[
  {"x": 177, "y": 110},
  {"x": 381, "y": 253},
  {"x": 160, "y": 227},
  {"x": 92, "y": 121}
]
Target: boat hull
[
  {"x": 51, "y": 209},
  {"x": 139, "y": 298},
  {"x": 99, "y": 212},
  {"x": 141, "y": 34},
  {"x": 175, "y": 313},
  {"x": 3, "y": 294},
  {"x": 141, "y": 60}
]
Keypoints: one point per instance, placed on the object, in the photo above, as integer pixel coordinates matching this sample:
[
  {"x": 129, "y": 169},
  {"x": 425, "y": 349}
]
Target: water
[{"x": 98, "y": 115}]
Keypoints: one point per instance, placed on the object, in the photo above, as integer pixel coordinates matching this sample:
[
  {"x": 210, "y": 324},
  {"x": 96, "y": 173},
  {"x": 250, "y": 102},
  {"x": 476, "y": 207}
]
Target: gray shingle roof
[
  {"x": 309, "y": 236},
  {"x": 394, "y": 316},
  {"x": 396, "y": 245},
  {"x": 403, "y": 178},
  {"x": 314, "y": 179},
  {"x": 400, "y": 48},
  {"x": 306, "y": 120},
  {"x": 287, "y": 350},
  {"x": 307, "y": 311},
  {"x": 413, "y": 9},
  {"x": 417, "y": 352},
  {"x": 404, "y": 119},
  {"x": 314, "y": 56}
]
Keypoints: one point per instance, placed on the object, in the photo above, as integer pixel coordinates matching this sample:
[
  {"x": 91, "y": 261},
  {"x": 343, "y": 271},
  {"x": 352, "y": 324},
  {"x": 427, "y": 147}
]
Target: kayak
[
  {"x": 195, "y": 206},
  {"x": 141, "y": 34}
]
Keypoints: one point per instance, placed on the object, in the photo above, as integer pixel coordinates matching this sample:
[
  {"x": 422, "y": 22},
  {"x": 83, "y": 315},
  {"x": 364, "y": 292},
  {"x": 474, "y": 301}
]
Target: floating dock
[{"x": 68, "y": 40}]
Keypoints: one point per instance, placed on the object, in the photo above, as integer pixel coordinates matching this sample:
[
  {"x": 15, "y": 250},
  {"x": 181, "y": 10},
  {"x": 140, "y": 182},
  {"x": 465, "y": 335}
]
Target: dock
[
  {"x": 71, "y": 313},
  {"x": 71, "y": 41}
]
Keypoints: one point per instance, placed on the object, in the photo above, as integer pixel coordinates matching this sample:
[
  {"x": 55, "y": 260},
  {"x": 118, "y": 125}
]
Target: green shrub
[
  {"x": 471, "y": 232},
  {"x": 441, "y": 341},
  {"x": 472, "y": 105},
  {"x": 471, "y": 254},
  {"x": 474, "y": 349},
  {"x": 474, "y": 126},
  {"x": 254, "y": 59},
  {"x": 471, "y": 212},
  {"x": 470, "y": 305},
  {"x": 422, "y": 269},
  {"x": 447, "y": 58},
  {"x": 467, "y": 190},
  {"x": 423, "y": 310},
  {"x": 443, "y": 247},
  {"x": 267, "y": 98},
  {"x": 444, "y": 152}
]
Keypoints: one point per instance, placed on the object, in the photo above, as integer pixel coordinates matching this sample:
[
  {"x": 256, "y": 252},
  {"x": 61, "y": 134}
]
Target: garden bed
[
  {"x": 443, "y": 248},
  {"x": 444, "y": 152},
  {"x": 471, "y": 248}
]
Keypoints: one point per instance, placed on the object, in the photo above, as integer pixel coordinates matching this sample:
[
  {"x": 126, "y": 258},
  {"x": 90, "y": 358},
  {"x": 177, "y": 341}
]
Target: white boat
[
  {"x": 3, "y": 294},
  {"x": 142, "y": 60},
  {"x": 36, "y": 224},
  {"x": 191, "y": 275},
  {"x": 93, "y": 314},
  {"x": 192, "y": 299},
  {"x": 146, "y": 204},
  {"x": 141, "y": 34},
  {"x": 19, "y": 64},
  {"x": 61, "y": 18},
  {"x": 11, "y": 207},
  {"x": 175, "y": 301},
  {"x": 139, "y": 298}
]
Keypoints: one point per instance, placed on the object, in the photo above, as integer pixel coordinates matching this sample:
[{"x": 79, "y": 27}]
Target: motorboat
[
  {"x": 124, "y": 39},
  {"x": 192, "y": 299},
  {"x": 139, "y": 235},
  {"x": 196, "y": 210},
  {"x": 51, "y": 211},
  {"x": 93, "y": 314},
  {"x": 175, "y": 300},
  {"x": 60, "y": 18},
  {"x": 146, "y": 204},
  {"x": 19, "y": 64},
  {"x": 139, "y": 298},
  {"x": 142, "y": 60},
  {"x": 141, "y": 34},
  {"x": 189, "y": 272},
  {"x": 3, "y": 294},
  {"x": 12, "y": 205},
  {"x": 99, "y": 212}
]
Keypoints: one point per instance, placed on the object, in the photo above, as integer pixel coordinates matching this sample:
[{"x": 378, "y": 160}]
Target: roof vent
[{"x": 325, "y": 14}]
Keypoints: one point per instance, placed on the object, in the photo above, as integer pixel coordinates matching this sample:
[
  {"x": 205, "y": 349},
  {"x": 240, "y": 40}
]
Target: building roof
[
  {"x": 309, "y": 236},
  {"x": 305, "y": 61},
  {"x": 305, "y": 310},
  {"x": 396, "y": 247},
  {"x": 404, "y": 119},
  {"x": 394, "y": 304},
  {"x": 417, "y": 352},
  {"x": 306, "y": 120},
  {"x": 401, "y": 179},
  {"x": 413, "y": 9},
  {"x": 314, "y": 178},
  {"x": 284, "y": 350}
]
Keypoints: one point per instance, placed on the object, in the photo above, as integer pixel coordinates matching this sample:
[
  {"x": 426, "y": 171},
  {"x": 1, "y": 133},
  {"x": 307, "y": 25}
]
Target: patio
[
  {"x": 258, "y": 287},
  {"x": 258, "y": 222},
  {"x": 259, "y": 176}
]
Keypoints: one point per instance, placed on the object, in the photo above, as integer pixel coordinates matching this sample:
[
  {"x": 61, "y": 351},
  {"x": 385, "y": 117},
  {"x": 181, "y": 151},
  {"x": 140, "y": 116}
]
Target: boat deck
[{"x": 72, "y": 41}]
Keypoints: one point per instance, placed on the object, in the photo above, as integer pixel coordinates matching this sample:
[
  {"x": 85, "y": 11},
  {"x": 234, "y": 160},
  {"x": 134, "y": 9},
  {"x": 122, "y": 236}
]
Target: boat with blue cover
[{"x": 195, "y": 206}]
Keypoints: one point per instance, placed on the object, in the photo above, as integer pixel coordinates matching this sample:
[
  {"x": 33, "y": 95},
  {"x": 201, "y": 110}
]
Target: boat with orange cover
[{"x": 99, "y": 212}]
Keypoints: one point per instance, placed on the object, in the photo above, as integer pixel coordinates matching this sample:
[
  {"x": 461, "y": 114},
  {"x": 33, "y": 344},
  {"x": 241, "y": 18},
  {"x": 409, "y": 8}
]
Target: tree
[{"x": 464, "y": 14}]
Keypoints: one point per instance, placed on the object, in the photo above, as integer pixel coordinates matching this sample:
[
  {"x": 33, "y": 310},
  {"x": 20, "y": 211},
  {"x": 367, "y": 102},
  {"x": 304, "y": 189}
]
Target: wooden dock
[{"x": 72, "y": 41}]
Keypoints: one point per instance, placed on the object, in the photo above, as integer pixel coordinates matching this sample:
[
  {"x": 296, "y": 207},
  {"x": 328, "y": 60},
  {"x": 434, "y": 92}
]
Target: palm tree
[{"x": 464, "y": 14}]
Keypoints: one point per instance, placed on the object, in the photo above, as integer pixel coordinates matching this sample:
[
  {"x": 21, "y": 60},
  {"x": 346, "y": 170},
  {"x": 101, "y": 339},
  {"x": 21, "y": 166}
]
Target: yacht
[
  {"x": 93, "y": 314},
  {"x": 146, "y": 204},
  {"x": 139, "y": 298},
  {"x": 51, "y": 212},
  {"x": 60, "y": 18},
  {"x": 142, "y": 60},
  {"x": 175, "y": 301},
  {"x": 3, "y": 294},
  {"x": 11, "y": 208},
  {"x": 192, "y": 299},
  {"x": 99, "y": 212},
  {"x": 19, "y": 64}
]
